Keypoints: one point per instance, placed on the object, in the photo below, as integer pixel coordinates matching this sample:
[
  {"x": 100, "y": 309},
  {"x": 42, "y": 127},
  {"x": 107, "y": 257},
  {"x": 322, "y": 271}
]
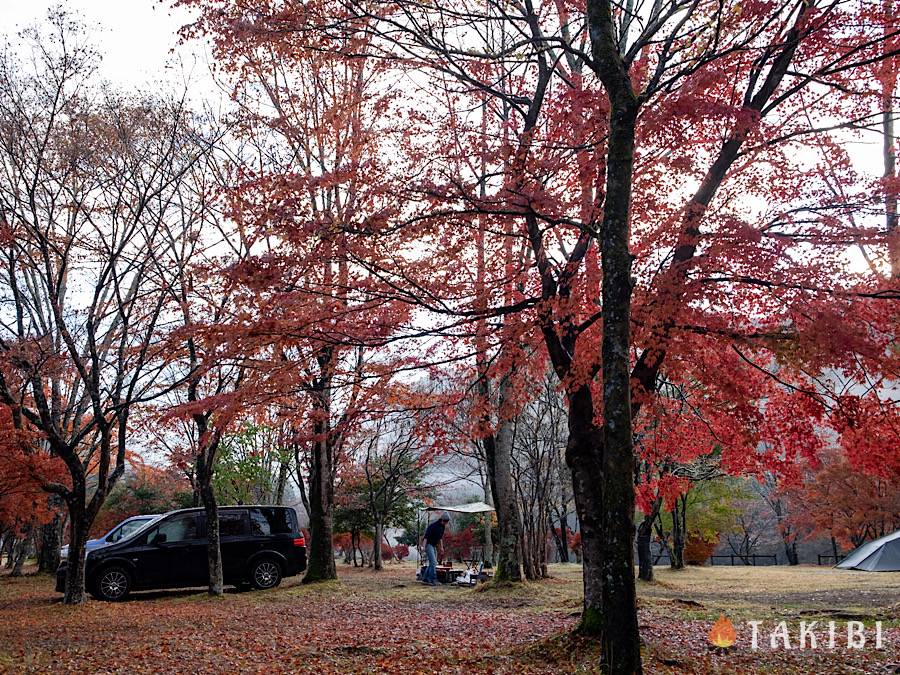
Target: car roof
[{"x": 200, "y": 509}]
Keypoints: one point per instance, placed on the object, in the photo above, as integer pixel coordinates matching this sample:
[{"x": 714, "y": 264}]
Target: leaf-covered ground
[{"x": 388, "y": 623}]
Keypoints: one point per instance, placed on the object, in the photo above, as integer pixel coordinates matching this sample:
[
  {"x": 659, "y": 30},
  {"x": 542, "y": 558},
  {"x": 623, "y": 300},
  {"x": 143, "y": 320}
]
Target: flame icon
[{"x": 722, "y": 633}]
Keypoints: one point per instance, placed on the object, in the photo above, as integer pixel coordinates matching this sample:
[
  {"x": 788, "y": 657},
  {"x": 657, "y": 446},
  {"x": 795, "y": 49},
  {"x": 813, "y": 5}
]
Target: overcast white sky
[
  {"x": 139, "y": 43},
  {"x": 135, "y": 37}
]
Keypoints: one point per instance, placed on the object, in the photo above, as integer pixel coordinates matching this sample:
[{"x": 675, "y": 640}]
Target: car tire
[
  {"x": 265, "y": 573},
  {"x": 112, "y": 584}
]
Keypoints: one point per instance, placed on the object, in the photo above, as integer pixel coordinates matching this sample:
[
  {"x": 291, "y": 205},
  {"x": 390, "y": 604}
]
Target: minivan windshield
[
  {"x": 131, "y": 528},
  {"x": 127, "y": 528}
]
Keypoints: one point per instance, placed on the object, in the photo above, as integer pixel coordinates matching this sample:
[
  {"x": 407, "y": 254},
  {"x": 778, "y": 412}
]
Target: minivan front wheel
[
  {"x": 113, "y": 583},
  {"x": 265, "y": 573}
]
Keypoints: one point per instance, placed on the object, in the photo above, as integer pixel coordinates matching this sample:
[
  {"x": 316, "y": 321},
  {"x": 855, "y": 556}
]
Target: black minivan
[{"x": 260, "y": 546}]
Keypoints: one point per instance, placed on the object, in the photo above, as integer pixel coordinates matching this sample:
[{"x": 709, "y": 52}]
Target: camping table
[{"x": 447, "y": 574}]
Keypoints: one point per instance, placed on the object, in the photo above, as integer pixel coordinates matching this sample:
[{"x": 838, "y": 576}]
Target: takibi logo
[
  {"x": 722, "y": 633},
  {"x": 809, "y": 635}
]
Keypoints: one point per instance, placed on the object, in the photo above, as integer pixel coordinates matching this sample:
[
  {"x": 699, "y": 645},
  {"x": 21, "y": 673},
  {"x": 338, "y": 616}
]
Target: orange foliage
[
  {"x": 838, "y": 500},
  {"x": 697, "y": 548},
  {"x": 147, "y": 490},
  {"x": 24, "y": 468}
]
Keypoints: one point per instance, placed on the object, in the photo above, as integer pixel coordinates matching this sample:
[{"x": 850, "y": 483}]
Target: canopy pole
[{"x": 418, "y": 538}]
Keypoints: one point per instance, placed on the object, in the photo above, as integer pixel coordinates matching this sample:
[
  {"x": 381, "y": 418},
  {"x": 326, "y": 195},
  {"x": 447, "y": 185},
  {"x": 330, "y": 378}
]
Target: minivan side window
[
  {"x": 177, "y": 528},
  {"x": 231, "y": 524},
  {"x": 265, "y": 521},
  {"x": 258, "y": 523}
]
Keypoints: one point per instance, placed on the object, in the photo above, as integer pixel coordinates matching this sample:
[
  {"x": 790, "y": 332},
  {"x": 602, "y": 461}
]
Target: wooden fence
[
  {"x": 752, "y": 559},
  {"x": 745, "y": 559}
]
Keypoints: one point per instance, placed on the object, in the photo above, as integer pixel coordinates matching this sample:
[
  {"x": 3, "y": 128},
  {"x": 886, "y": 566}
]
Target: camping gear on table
[
  {"x": 880, "y": 555},
  {"x": 474, "y": 572},
  {"x": 446, "y": 574}
]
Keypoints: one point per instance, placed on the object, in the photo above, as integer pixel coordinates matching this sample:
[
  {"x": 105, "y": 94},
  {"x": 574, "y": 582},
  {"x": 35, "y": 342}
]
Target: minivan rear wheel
[
  {"x": 112, "y": 584},
  {"x": 265, "y": 573}
]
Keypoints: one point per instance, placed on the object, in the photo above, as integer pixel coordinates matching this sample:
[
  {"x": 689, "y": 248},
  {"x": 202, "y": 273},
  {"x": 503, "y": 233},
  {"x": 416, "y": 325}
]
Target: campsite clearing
[{"x": 780, "y": 588}]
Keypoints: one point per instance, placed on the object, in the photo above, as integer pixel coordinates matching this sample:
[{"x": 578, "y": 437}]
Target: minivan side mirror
[{"x": 160, "y": 539}]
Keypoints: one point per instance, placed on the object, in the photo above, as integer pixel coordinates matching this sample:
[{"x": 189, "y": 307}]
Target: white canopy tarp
[
  {"x": 474, "y": 507},
  {"x": 880, "y": 555}
]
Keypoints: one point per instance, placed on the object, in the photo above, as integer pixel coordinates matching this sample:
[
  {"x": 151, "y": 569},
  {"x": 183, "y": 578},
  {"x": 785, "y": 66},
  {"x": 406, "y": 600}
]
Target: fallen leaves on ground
[
  {"x": 386, "y": 623},
  {"x": 353, "y": 625}
]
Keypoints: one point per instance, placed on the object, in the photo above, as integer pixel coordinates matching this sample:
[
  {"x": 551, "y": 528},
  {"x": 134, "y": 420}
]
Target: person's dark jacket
[{"x": 435, "y": 532}]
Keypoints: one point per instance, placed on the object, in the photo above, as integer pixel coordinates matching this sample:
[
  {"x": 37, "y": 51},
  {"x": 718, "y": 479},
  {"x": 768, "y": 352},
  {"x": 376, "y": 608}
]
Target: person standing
[{"x": 434, "y": 546}]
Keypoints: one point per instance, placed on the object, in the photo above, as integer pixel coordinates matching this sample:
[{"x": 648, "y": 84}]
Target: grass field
[{"x": 367, "y": 622}]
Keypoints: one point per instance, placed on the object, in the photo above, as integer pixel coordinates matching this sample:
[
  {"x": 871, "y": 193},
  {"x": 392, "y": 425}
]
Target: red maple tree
[{"x": 668, "y": 208}]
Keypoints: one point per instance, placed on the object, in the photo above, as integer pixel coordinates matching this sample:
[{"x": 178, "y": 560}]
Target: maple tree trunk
[
  {"x": 615, "y": 463},
  {"x": 564, "y": 539},
  {"x": 677, "y": 561},
  {"x": 535, "y": 566},
  {"x": 527, "y": 557},
  {"x": 645, "y": 557},
  {"x": 393, "y": 554},
  {"x": 582, "y": 456},
  {"x": 677, "y": 555},
  {"x": 498, "y": 457},
  {"x": 545, "y": 559},
  {"x": 543, "y": 544},
  {"x": 488, "y": 525},
  {"x": 321, "y": 500},
  {"x": 562, "y": 542},
  {"x": 499, "y": 454},
  {"x": 6, "y": 547},
  {"x": 48, "y": 556},
  {"x": 78, "y": 535},
  {"x": 790, "y": 550},
  {"x": 9, "y": 550},
  {"x": 280, "y": 486},
  {"x": 376, "y": 551},
  {"x": 211, "y": 509},
  {"x": 620, "y": 638},
  {"x": 21, "y": 551},
  {"x": 81, "y": 517},
  {"x": 213, "y": 546}
]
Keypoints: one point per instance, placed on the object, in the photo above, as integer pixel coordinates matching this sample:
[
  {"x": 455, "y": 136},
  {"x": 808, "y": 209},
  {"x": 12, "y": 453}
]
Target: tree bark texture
[
  {"x": 498, "y": 449},
  {"x": 321, "y": 517}
]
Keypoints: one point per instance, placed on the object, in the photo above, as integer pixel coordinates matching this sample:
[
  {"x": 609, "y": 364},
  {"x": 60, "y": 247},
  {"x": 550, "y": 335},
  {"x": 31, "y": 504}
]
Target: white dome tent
[{"x": 880, "y": 555}]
